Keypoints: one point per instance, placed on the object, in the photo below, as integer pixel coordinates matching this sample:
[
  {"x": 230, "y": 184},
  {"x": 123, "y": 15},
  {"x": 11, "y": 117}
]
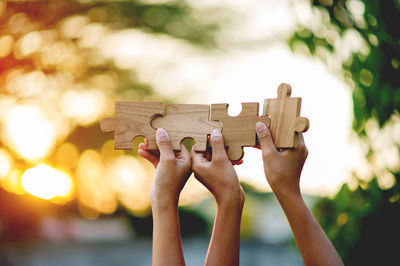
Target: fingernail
[
  {"x": 216, "y": 133},
  {"x": 161, "y": 133},
  {"x": 260, "y": 127}
]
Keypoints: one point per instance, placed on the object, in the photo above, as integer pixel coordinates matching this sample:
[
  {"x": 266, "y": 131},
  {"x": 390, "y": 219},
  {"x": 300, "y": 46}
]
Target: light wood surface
[
  {"x": 187, "y": 121},
  {"x": 194, "y": 121},
  {"x": 238, "y": 131},
  {"x": 132, "y": 119},
  {"x": 285, "y": 121}
]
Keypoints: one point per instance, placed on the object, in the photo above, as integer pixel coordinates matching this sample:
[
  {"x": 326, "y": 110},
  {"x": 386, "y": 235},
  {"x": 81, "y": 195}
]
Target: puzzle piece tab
[
  {"x": 182, "y": 121},
  {"x": 187, "y": 121},
  {"x": 238, "y": 131},
  {"x": 285, "y": 121},
  {"x": 132, "y": 119}
]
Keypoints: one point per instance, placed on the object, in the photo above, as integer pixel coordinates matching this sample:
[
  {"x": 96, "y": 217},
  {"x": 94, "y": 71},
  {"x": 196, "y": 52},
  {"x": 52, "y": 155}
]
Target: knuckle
[
  {"x": 217, "y": 140},
  {"x": 163, "y": 141},
  {"x": 262, "y": 135}
]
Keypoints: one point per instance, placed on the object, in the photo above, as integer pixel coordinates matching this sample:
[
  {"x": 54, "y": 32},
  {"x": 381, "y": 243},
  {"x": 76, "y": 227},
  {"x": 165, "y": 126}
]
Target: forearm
[
  {"x": 167, "y": 245},
  {"x": 313, "y": 244},
  {"x": 224, "y": 246}
]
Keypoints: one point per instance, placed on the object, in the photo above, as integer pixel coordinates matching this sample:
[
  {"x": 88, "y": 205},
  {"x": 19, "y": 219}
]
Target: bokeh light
[
  {"x": 67, "y": 155},
  {"x": 5, "y": 163},
  {"x": 47, "y": 183},
  {"x": 85, "y": 106},
  {"x": 6, "y": 45},
  {"x": 28, "y": 131},
  {"x": 131, "y": 183},
  {"x": 12, "y": 182},
  {"x": 94, "y": 187}
]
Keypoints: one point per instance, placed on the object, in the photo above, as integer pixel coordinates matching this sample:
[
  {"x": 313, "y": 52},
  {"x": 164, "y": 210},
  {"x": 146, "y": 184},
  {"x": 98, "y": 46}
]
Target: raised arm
[
  {"x": 172, "y": 172},
  {"x": 282, "y": 170},
  {"x": 221, "y": 180}
]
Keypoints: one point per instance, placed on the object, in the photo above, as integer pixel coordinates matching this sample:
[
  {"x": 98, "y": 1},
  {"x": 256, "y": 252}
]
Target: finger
[
  {"x": 143, "y": 146},
  {"x": 300, "y": 141},
  {"x": 217, "y": 145},
  {"x": 164, "y": 144},
  {"x": 197, "y": 158},
  {"x": 301, "y": 144},
  {"x": 148, "y": 156},
  {"x": 265, "y": 139},
  {"x": 237, "y": 162}
]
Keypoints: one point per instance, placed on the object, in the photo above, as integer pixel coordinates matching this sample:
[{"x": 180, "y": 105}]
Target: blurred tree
[
  {"x": 360, "y": 41},
  {"x": 50, "y": 59},
  {"x": 372, "y": 68}
]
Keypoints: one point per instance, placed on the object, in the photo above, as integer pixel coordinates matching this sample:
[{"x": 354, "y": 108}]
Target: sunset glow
[
  {"x": 46, "y": 182},
  {"x": 29, "y": 133}
]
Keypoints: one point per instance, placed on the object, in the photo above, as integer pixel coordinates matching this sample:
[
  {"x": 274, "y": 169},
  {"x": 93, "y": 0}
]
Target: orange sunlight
[
  {"x": 47, "y": 183},
  {"x": 29, "y": 132}
]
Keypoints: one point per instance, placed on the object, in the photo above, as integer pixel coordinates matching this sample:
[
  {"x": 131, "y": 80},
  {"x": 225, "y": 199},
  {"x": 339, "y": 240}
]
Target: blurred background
[{"x": 68, "y": 198}]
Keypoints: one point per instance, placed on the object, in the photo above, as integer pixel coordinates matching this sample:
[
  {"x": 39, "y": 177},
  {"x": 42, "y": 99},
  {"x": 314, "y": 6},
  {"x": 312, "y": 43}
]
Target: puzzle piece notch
[
  {"x": 132, "y": 119},
  {"x": 286, "y": 122},
  {"x": 183, "y": 121},
  {"x": 238, "y": 131}
]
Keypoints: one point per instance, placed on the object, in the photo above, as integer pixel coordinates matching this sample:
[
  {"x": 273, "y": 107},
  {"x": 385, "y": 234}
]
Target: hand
[
  {"x": 282, "y": 168},
  {"x": 218, "y": 175},
  {"x": 172, "y": 171}
]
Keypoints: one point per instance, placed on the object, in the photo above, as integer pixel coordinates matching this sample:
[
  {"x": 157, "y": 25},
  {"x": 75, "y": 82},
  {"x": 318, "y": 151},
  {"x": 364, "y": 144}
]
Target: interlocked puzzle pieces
[
  {"x": 194, "y": 121},
  {"x": 187, "y": 120},
  {"x": 238, "y": 131}
]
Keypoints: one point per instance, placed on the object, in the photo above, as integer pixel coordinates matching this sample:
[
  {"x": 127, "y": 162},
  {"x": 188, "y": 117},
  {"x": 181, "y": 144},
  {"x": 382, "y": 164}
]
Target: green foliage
[
  {"x": 50, "y": 48},
  {"x": 361, "y": 222},
  {"x": 374, "y": 70},
  {"x": 345, "y": 216}
]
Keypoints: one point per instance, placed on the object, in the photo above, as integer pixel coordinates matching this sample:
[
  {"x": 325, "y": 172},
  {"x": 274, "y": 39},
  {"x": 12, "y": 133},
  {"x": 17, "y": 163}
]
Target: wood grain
[
  {"x": 187, "y": 121},
  {"x": 132, "y": 119},
  {"x": 238, "y": 131},
  {"x": 285, "y": 121}
]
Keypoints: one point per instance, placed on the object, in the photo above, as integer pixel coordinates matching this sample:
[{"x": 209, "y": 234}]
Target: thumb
[
  {"x": 164, "y": 144},
  {"x": 264, "y": 137},
  {"x": 217, "y": 145}
]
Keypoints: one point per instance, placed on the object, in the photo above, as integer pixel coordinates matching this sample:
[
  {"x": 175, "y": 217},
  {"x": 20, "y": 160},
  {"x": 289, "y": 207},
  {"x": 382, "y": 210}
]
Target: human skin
[
  {"x": 282, "y": 170},
  {"x": 172, "y": 172},
  {"x": 215, "y": 171},
  {"x": 220, "y": 178}
]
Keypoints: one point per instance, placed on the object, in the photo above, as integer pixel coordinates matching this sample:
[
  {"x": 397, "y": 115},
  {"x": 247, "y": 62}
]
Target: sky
[
  {"x": 253, "y": 61},
  {"x": 326, "y": 101}
]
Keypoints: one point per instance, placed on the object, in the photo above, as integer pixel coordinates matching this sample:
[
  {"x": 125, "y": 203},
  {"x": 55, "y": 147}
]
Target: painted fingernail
[
  {"x": 260, "y": 127},
  {"x": 216, "y": 133},
  {"x": 161, "y": 133}
]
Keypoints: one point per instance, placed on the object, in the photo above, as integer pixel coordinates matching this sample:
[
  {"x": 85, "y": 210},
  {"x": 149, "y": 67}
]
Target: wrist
[
  {"x": 288, "y": 195},
  {"x": 231, "y": 199},
  {"x": 285, "y": 186},
  {"x": 163, "y": 200}
]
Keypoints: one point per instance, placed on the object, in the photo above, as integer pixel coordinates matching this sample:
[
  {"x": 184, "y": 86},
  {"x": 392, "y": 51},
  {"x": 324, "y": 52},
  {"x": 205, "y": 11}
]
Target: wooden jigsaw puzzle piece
[
  {"x": 286, "y": 122},
  {"x": 187, "y": 121},
  {"x": 132, "y": 119},
  {"x": 238, "y": 131}
]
